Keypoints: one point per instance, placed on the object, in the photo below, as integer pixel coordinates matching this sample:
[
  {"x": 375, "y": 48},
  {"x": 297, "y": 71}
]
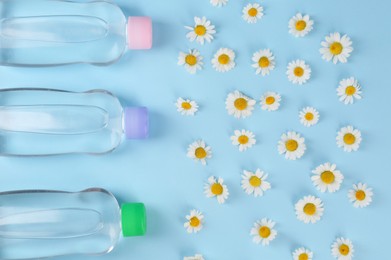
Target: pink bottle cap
[{"x": 139, "y": 33}]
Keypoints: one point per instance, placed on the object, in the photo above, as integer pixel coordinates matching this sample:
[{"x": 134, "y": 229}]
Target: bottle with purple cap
[
  {"x": 35, "y": 122},
  {"x": 56, "y": 32}
]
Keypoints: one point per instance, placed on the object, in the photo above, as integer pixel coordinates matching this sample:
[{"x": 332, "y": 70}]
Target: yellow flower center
[
  {"x": 350, "y": 90},
  {"x": 360, "y": 195},
  {"x": 336, "y": 48},
  {"x": 224, "y": 59},
  {"x": 309, "y": 209},
  {"x": 255, "y": 181},
  {"x": 264, "y": 232},
  {"x": 270, "y": 100},
  {"x": 349, "y": 139},
  {"x": 309, "y": 116},
  {"x": 298, "y": 71},
  {"x": 200, "y": 153},
  {"x": 216, "y": 189},
  {"x": 243, "y": 139},
  {"x": 344, "y": 249},
  {"x": 291, "y": 145},
  {"x": 194, "y": 222},
  {"x": 191, "y": 59},
  {"x": 252, "y": 12},
  {"x": 303, "y": 256},
  {"x": 327, "y": 177},
  {"x": 186, "y": 105},
  {"x": 264, "y": 62},
  {"x": 301, "y": 25},
  {"x": 240, "y": 103},
  {"x": 200, "y": 30}
]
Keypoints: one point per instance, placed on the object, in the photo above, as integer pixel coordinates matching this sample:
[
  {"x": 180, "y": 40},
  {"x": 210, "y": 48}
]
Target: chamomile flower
[
  {"x": 191, "y": 60},
  {"x": 309, "y": 209},
  {"x": 292, "y": 145},
  {"x": 302, "y": 254},
  {"x": 349, "y": 138},
  {"x": 239, "y": 105},
  {"x": 349, "y": 90},
  {"x": 244, "y": 139},
  {"x": 309, "y": 116},
  {"x": 224, "y": 60},
  {"x": 252, "y": 13},
  {"x": 199, "y": 151},
  {"x": 270, "y": 101},
  {"x": 342, "y": 249},
  {"x": 263, "y": 231},
  {"x": 360, "y": 195},
  {"x": 194, "y": 221},
  {"x": 216, "y": 188},
  {"x": 202, "y": 31},
  {"x": 264, "y": 62},
  {"x": 196, "y": 257},
  {"x": 255, "y": 182},
  {"x": 326, "y": 177},
  {"x": 218, "y": 3},
  {"x": 186, "y": 107},
  {"x": 298, "y": 72},
  {"x": 336, "y": 48},
  {"x": 300, "y": 25}
]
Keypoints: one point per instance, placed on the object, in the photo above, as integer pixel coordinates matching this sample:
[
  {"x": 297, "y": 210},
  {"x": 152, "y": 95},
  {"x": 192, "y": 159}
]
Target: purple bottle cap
[{"x": 136, "y": 122}]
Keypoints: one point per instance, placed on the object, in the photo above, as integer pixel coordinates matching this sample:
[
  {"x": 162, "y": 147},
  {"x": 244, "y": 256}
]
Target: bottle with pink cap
[
  {"x": 56, "y": 32},
  {"x": 36, "y": 122}
]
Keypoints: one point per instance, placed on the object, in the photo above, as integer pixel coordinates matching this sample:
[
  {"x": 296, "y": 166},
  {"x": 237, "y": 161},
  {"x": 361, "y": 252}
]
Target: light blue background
[{"x": 157, "y": 171}]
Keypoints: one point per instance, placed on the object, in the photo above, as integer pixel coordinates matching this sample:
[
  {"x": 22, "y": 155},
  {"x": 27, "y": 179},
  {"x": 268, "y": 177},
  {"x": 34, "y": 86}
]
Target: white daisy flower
[
  {"x": 192, "y": 60},
  {"x": 252, "y": 13},
  {"x": 196, "y": 257},
  {"x": 216, "y": 188},
  {"x": 194, "y": 222},
  {"x": 349, "y": 90},
  {"x": 224, "y": 60},
  {"x": 244, "y": 139},
  {"x": 349, "y": 138},
  {"x": 218, "y": 3},
  {"x": 298, "y": 72},
  {"x": 326, "y": 177},
  {"x": 263, "y": 231},
  {"x": 202, "y": 31},
  {"x": 270, "y": 101},
  {"x": 309, "y": 209},
  {"x": 300, "y": 25},
  {"x": 255, "y": 183},
  {"x": 264, "y": 62},
  {"x": 336, "y": 48},
  {"x": 342, "y": 249},
  {"x": 186, "y": 107},
  {"x": 292, "y": 145},
  {"x": 302, "y": 254},
  {"x": 199, "y": 151},
  {"x": 360, "y": 195},
  {"x": 309, "y": 116},
  {"x": 239, "y": 105}
]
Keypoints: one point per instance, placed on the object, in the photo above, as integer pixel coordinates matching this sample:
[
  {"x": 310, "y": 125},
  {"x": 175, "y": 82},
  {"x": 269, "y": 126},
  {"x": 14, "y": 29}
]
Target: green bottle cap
[{"x": 134, "y": 219}]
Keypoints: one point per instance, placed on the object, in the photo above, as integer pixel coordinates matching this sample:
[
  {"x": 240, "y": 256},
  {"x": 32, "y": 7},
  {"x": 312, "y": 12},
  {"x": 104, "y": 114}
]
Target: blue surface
[{"x": 157, "y": 171}]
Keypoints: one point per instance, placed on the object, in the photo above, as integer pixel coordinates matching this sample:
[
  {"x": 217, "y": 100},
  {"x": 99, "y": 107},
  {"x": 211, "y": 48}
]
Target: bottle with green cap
[{"x": 37, "y": 224}]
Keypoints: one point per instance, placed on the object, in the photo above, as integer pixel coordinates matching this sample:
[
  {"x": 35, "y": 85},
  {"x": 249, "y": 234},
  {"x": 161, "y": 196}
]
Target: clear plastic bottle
[
  {"x": 37, "y": 122},
  {"x": 56, "y": 32},
  {"x": 35, "y": 224}
]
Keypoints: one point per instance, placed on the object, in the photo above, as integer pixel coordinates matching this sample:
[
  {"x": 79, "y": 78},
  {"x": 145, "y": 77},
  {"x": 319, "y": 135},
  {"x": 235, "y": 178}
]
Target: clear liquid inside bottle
[
  {"x": 50, "y": 122},
  {"x": 36, "y": 224}
]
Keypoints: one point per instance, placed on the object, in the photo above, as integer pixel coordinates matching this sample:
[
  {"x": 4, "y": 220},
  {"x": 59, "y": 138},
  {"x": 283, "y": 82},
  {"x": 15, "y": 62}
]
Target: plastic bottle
[
  {"x": 35, "y": 224},
  {"x": 55, "y": 32},
  {"x": 50, "y": 122}
]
